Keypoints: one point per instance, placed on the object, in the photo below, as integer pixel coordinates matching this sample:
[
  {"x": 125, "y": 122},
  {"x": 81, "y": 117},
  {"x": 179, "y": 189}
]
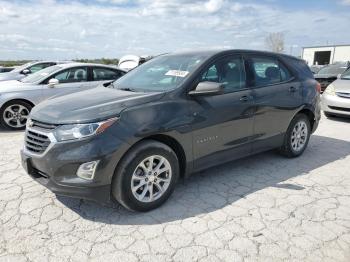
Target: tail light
[{"x": 318, "y": 87}]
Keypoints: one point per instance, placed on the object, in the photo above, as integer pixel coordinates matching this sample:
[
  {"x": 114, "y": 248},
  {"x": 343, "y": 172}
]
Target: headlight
[
  {"x": 78, "y": 131},
  {"x": 330, "y": 90}
]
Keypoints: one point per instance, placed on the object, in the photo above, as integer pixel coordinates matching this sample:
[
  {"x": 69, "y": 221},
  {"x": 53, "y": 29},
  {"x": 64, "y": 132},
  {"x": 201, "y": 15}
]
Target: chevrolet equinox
[{"x": 132, "y": 139}]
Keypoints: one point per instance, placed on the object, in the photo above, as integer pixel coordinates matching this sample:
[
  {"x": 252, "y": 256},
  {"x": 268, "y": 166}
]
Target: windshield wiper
[{"x": 127, "y": 89}]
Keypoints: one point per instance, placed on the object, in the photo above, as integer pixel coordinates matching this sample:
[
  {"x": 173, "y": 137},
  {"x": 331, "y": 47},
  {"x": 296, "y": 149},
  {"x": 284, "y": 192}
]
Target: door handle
[
  {"x": 293, "y": 89},
  {"x": 245, "y": 98}
]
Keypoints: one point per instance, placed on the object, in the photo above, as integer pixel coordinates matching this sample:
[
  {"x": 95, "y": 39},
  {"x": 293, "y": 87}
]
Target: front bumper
[
  {"x": 56, "y": 168},
  {"x": 335, "y": 104}
]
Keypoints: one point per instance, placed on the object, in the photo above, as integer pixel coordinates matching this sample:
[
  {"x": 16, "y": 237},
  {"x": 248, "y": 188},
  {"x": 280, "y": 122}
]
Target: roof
[
  {"x": 321, "y": 46},
  {"x": 212, "y": 52},
  {"x": 67, "y": 65}
]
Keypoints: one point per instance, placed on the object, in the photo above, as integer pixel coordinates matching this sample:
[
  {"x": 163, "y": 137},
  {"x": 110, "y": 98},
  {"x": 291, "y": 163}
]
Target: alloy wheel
[
  {"x": 16, "y": 115},
  {"x": 151, "y": 178},
  {"x": 299, "y": 136}
]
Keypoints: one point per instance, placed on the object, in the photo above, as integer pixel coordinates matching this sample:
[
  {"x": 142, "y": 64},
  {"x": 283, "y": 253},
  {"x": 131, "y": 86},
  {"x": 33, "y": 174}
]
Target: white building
[{"x": 324, "y": 55}]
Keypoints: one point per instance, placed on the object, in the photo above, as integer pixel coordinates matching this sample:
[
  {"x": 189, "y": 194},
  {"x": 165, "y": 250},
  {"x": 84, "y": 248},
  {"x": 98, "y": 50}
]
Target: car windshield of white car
[
  {"x": 163, "y": 73},
  {"x": 332, "y": 70},
  {"x": 346, "y": 75},
  {"x": 40, "y": 75}
]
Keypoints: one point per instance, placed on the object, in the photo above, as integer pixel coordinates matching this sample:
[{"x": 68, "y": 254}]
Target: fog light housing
[{"x": 87, "y": 170}]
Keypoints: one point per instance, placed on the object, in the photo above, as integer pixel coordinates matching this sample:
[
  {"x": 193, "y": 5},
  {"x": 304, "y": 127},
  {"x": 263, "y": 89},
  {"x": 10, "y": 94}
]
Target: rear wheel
[
  {"x": 14, "y": 115},
  {"x": 297, "y": 136},
  {"x": 146, "y": 176}
]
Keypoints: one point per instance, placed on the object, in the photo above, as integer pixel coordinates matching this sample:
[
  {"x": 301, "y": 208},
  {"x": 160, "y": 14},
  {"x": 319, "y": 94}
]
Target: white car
[
  {"x": 27, "y": 69},
  {"x": 129, "y": 62},
  {"x": 18, "y": 97},
  {"x": 336, "y": 98}
]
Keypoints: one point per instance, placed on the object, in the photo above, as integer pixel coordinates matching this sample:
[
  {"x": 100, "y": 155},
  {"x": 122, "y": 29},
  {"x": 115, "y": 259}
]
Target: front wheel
[
  {"x": 14, "y": 115},
  {"x": 297, "y": 136},
  {"x": 146, "y": 176}
]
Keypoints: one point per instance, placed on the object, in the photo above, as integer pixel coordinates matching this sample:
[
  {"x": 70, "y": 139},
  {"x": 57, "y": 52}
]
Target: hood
[
  {"x": 89, "y": 106},
  {"x": 15, "y": 86},
  {"x": 11, "y": 76},
  {"x": 325, "y": 76},
  {"x": 342, "y": 86}
]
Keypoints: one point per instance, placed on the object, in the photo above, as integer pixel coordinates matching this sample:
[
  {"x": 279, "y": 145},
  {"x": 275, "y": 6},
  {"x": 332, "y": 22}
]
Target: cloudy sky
[{"x": 64, "y": 29}]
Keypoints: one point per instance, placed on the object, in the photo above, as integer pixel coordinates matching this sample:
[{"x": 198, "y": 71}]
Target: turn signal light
[{"x": 318, "y": 87}]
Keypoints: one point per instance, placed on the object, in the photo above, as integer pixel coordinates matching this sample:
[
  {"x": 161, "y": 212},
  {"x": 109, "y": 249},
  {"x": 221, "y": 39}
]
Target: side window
[
  {"x": 72, "y": 75},
  {"x": 101, "y": 74},
  {"x": 228, "y": 71},
  {"x": 268, "y": 71},
  {"x": 38, "y": 67},
  {"x": 211, "y": 75}
]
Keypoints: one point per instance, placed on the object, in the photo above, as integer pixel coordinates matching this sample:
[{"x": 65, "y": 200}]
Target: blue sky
[{"x": 63, "y": 29}]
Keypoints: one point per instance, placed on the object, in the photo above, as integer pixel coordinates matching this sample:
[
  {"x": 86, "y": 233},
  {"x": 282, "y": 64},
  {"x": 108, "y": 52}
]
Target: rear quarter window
[{"x": 304, "y": 72}]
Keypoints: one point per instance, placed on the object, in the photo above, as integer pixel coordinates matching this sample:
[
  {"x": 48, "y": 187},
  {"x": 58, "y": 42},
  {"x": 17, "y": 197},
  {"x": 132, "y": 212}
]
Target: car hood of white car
[
  {"x": 342, "y": 85},
  {"x": 15, "y": 86},
  {"x": 11, "y": 76}
]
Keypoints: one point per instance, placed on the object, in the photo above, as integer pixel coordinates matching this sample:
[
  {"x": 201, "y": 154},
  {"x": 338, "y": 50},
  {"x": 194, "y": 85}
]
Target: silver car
[
  {"x": 336, "y": 97},
  {"x": 18, "y": 97},
  {"x": 27, "y": 69}
]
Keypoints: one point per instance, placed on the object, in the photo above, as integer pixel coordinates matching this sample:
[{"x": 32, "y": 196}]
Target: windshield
[
  {"x": 40, "y": 75},
  {"x": 22, "y": 67},
  {"x": 346, "y": 75},
  {"x": 332, "y": 70},
  {"x": 163, "y": 73}
]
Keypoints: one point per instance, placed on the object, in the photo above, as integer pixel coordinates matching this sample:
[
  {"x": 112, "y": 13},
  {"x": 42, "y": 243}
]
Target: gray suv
[{"x": 174, "y": 115}]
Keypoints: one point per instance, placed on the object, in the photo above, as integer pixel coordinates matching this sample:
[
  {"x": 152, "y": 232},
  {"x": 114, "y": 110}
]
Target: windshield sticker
[{"x": 178, "y": 73}]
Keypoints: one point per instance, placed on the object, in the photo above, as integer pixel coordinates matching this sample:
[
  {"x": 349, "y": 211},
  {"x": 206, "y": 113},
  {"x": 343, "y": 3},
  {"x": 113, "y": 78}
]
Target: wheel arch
[
  {"x": 167, "y": 140},
  {"x": 17, "y": 99},
  {"x": 310, "y": 114},
  {"x": 175, "y": 146}
]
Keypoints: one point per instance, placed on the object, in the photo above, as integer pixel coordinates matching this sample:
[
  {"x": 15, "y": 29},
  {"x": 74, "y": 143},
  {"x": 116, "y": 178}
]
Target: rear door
[
  {"x": 70, "y": 80},
  {"x": 223, "y": 124},
  {"x": 277, "y": 95},
  {"x": 101, "y": 75}
]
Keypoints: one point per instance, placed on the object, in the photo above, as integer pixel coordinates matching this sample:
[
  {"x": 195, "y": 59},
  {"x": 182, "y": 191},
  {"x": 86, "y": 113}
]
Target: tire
[
  {"x": 291, "y": 148},
  {"x": 130, "y": 172},
  {"x": 14, "y": 114}
]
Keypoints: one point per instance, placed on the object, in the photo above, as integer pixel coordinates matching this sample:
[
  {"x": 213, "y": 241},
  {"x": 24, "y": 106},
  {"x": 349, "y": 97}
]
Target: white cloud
[
  {"x": 345, "y": 2},
  {"x": 67, "y": 30}
]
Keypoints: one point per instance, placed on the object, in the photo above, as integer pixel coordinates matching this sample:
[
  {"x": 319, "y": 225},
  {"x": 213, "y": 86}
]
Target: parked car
[
  {"x": 24, "y": 70},
  {"x": 18, "y": 97},
  {"x": 316, "y": 68},
  {"x": 129, "y": 62},
  {"x": 6, "y": 69},
  {"x": 172, "y": 116},
  {"x": 329, "y": 73},
  {"x": 336, "y": 98}
]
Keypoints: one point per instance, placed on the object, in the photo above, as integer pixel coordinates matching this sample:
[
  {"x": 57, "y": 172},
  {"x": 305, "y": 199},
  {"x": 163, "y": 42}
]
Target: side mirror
[
  {"x": 53, "y": 82},
  {"x": 26, "y": 72},
  {"x": 207, "y": 88},
  {"x": 339, "y": 76}
]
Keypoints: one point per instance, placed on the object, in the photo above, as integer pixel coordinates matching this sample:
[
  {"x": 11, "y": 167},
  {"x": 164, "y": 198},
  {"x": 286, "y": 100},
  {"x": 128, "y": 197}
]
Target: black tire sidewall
[
  {"x": 121, "y": 185},
  {"x": 288, "y": 142},
  {"x": 6, "y": 105}
]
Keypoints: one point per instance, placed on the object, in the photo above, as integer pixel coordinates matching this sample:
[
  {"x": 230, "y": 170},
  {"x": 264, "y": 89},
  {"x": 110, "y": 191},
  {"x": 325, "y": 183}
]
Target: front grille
[
  {"x": 37, "y": 136},
  {"x": 340, "y": 108},
  {"x": 41, "y": 125},
  {"x": 36, "y": 142}
]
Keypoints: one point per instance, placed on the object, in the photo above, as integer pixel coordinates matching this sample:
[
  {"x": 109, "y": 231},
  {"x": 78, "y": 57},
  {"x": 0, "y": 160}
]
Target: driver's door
[
  {"x": 71, "y": 80},
  {"x": 223, "y": 124}
]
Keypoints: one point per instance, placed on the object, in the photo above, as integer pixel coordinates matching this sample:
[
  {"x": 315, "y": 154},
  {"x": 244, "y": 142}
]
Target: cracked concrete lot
[{"x": 262, "y": 208}]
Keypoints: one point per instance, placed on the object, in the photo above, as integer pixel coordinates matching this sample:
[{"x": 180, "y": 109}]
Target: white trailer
[{"x": 324, "y": 55}]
